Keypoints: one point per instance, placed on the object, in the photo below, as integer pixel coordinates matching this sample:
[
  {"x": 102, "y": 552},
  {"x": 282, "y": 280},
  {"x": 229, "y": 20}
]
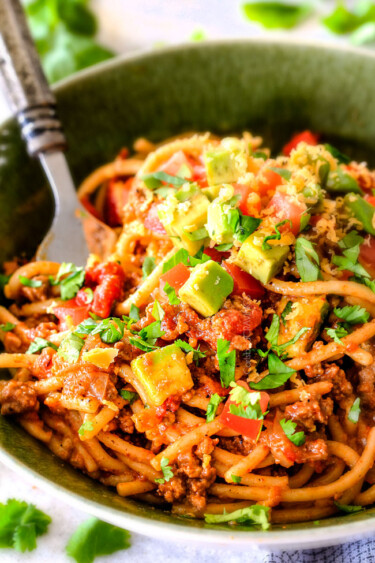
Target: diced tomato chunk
[
  {"x": 287, "y": 208},
  {"x": 152, "y": 221},
  {"x": 367, "y": 255},
  {"x": 250, "y": 203},
  {"x": 178, "y": 165},
  {"x": 244, "y": 282},
  {"x": 216, "y": 255},
  {"x": 76, "y": 312},
  {"x": 245, "y": 426},
  {"x": 305, "y": 137},
  {"x": 109, "y": 278},
  {"x": 176, "y": 276},
  {"x": 267, "y": 181},
  {"x": 116, "y": 196}
]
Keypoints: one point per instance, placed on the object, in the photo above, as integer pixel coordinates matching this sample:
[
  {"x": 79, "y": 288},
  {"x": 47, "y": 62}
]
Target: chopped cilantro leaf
[
  {"x": 277, "y": 236},
  {"x": 198, "y": 234},
  {"x": 227, "y": 362},
  {"x": 197, "y": 354},
  {"x": 171, "y": 293},
  {"x": 343, "y": 158},
  {"x": 286, "y": 174},
  {"x": 255, "y": 515},
  {"x": 156, "y": 179},
  {"x": 289, "y": 427},
  {"x": 71, "y": 347},
  {"x": 307, "y": 260},
  {"x": 355, "y": 411},
  {"x": 145, "y": 340},
  {"x": 94, "y": 538},
  {"x": 28, "y": 282},
  {"x": 110, "y": 330},
  {"x": 134, "y": 312},
  {"x": 7, "y": 327},
  {"x": 279, "y": 374},
  {"x": 273, "y": 332},
  {"x": 212, "y": 406},
  {"x": 39, "y": 344},
  {"x": 337, "y": 333},
  {"x": 148, "y": 266},
  {"x": 129, "y": 395},
  {"x": 69, "y": 285},
  {"x": 236, "y": 479},
  {"x": 287, "y": 309},
  {"x": 85, "y": 427},
  {"x": 245, "y": 227},
  {"x": 167, "y": 471},
  {"x": 352, "y": 314},
  {"x": 157, "y": 311},
  {"x": 21, "y": 524}
]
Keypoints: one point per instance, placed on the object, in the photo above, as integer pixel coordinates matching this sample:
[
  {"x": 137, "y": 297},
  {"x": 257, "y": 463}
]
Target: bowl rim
[{"x": 312, "y": 536}]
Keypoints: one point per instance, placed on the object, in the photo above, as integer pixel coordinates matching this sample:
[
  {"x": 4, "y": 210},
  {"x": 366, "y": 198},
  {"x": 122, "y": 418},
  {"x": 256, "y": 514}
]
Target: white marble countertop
[{"x": 127, "y": 26}]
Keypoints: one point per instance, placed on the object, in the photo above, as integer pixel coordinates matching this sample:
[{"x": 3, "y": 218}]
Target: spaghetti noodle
[{"x": 220, "y": 361}]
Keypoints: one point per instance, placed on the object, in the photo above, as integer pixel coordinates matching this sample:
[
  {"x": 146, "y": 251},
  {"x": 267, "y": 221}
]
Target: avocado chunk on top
[
  {"x": 224, "y": 166},
  {"x": 160, "y": 374},
  {"x": 219, "y": 216},
  {"x": 207, "y": 288},
  {"x": 261, "y": 264},
  {"x": 184, "y": 213},
  {"x": 306, "y": 312}
]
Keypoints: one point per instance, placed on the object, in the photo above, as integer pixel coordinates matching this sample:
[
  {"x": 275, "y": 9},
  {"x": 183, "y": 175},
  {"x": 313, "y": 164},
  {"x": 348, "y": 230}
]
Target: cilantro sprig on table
[
  {"x": 21, "y": 524},
  {"x": 64, "y": 32},
  {"x": 255, "y": 515}
]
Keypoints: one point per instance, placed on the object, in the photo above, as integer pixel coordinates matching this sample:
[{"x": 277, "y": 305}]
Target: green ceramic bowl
[{"x": 269, "y": 88}]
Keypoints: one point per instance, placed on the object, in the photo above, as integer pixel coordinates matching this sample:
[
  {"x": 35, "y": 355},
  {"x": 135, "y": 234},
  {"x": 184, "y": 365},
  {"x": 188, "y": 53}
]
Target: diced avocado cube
[
  {"x": 261, "y": 264},
  {"x": 212, "y": 191},
  {"x": 207, "y": 288},
  {"x": 160, "y": 374},
  {"x": 221, "y": 218},
  {"x": 183, "y": 213},
  {"x": 306, "y": 312},
  {"x": 224, "y": 166}
]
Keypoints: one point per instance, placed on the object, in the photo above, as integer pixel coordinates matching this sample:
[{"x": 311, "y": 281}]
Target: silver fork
[{"x": 34, "y": 105}]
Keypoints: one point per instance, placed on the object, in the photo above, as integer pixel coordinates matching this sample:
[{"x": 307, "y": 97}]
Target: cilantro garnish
[
  {"x": 279, "y": 374},
  {"x": 236, "y": 479},
  {"x": 337, "y": 333},
  {"x": 247, "y": 403},
  {"x": 167, "y": 471},
  {"x": 71, "y": 347},
  {"x": 245, "y": 226},
  {"x": 338, "y": 155},
  {"x": 70, "y": 284},
  {"x": 352, "y": 314},
  {"x": 111, "y": 330},
  {"x": 287, "y": 309},
  {"x": 156, "y": 179},
  {"x": 355, "y": 411},
  {"x": 39, "y": 344},
  {"x": 85, "y": 427},
  {"x": 21, "y": 524},
  {"x": 255, "y": 515},
  {"x": 273, "y": 332},
  {"x": 29, "y": 283},
  {"x": 148, "y": 266},
  {"x": 197, "y": 353},
  {"x": 171, "y": 293},
  {"x": 94, "y": 538},
  {"x": 307, "y": 260},
  {"x": 286, "y": 174},
  {"x": 289, "y": 427},
  {"x": 158, "y": 311},
  {"x": 227, "y": 362},
  {"x": 273, "y": 336},
  {"x": 277, "y": 236},
  {"x": 134, "y": 313},
  {"x": 183, "y": 256},
  {"x": 7, "y": 327},
  {"x": 349, "y": 261},
  {"x": 212, "y": 406},
  {"x": 129, "y": 395},
  {"x": 145, "y": 340}
]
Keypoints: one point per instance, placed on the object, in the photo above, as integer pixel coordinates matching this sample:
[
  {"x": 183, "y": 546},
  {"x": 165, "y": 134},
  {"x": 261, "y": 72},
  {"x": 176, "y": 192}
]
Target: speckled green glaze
[{"x": 270, "y": 88}]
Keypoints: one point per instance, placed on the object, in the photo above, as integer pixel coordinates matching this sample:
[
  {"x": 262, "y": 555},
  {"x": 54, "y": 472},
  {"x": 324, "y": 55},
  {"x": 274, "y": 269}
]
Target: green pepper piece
[
  {"x": 340, "y": 181},
  {"x": 362, "y": 210}
]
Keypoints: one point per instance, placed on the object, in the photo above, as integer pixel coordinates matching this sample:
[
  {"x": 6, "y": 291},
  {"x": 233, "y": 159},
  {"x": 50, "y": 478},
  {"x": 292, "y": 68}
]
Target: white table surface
[{"x": 127, "y": 26}]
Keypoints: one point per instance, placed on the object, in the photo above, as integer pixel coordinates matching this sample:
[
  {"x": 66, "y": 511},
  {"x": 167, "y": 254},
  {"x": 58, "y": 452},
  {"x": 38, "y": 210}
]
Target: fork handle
[{"x": 25, "y": 84}]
